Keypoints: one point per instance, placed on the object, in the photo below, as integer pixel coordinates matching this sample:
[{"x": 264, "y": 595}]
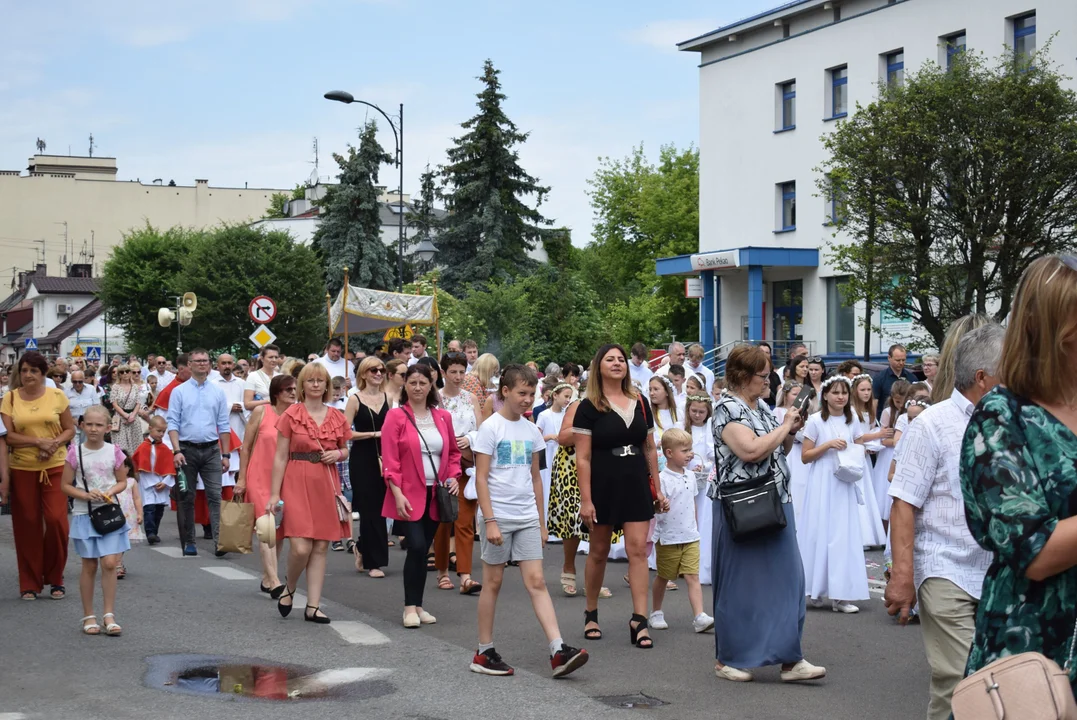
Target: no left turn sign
[{"x": 262, "y": 310}]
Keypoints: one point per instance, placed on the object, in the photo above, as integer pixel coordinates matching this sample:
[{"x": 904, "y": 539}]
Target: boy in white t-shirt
[
  {"x": 513, "y": 525},
  {"x": 677, "y": 536}
]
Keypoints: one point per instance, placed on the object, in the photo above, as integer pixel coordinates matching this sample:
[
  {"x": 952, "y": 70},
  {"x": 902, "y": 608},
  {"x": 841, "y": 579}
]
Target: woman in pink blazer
[{"x": 418, "y": 449}]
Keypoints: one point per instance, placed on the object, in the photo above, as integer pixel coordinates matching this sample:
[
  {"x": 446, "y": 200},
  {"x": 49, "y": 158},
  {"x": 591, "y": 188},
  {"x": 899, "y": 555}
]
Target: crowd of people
[{"x": 963, "y": 473}]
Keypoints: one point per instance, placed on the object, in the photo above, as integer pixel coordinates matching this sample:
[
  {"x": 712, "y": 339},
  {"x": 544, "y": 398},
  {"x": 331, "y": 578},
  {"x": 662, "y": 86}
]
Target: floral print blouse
[{"x": 1018, "y": 477}]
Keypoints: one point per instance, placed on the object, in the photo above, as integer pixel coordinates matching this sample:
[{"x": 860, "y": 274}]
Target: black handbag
[
  {"x": 448, "y": 504},
  {"x": 753, "y": 507},
  {"x": 107, "y": 518}
]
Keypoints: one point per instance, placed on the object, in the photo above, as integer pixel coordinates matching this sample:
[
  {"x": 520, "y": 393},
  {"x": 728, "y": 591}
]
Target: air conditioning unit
[{"x": 64, "y": 309}]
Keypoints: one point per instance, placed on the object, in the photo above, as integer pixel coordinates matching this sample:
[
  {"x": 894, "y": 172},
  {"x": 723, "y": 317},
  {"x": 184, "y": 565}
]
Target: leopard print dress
[{"x": 563, "y": 514}]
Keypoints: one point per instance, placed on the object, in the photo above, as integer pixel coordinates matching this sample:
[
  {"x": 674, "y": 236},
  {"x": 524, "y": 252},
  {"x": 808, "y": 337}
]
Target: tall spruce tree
[
  {"x": 489, "y": 229},
  {"x": 422, "y": 218},
  {"x": 349, "y": 234}
]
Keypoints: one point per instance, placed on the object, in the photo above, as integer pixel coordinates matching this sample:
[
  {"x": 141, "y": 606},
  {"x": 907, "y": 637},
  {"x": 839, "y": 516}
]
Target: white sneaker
[
  {"x": 728, "y": 672},
  {"x": 703, "y": 623},
  {"x": 658, "y": 620},
  {"x": 803, "y": 670},
  {"x": 840, "y": 606}
]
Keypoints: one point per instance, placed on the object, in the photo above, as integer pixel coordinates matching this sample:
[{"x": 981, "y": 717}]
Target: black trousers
[
  {"x": 368, "y": 492},
  {"x": 419, "y": 535}
]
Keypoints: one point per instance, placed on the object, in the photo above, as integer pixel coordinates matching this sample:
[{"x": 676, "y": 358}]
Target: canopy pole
[
  {"x": 437, "y": 317},
  {"x": 344, "y": 314},
  {"x": 329, "y": 313}
]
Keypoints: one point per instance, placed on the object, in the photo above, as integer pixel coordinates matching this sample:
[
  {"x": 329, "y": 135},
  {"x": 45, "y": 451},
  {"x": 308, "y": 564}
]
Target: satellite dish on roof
[{"x": 313, "y": 177}]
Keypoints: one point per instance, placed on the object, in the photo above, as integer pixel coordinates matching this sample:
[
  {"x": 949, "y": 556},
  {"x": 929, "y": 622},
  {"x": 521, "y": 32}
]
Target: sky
[{"x": 231, "y": 90}]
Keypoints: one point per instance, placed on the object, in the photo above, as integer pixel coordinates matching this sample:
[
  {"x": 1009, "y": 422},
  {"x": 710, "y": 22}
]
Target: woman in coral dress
[
  {"x": 312, "y": 439},
  {"x": 255, "y": 480}
]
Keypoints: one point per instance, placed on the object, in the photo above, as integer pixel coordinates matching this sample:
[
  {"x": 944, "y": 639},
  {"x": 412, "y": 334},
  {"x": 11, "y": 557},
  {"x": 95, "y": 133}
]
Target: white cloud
[{"x": 665, "y": 34}]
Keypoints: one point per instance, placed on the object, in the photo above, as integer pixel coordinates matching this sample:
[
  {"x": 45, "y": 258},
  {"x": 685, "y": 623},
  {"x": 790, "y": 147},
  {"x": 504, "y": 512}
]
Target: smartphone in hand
[{"x": 803, "y": 401}]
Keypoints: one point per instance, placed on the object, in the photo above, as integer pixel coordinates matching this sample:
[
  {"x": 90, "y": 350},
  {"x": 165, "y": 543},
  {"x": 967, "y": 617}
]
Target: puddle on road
[
  {"x": 246, "y": 678},
  {"x": 632, "y": 702}
]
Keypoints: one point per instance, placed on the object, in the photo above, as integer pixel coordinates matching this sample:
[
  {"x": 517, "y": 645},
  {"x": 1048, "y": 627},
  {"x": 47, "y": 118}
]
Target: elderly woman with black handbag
[
  {"x": 758, "y": 586},
  {"x": 421, "y": 463}
]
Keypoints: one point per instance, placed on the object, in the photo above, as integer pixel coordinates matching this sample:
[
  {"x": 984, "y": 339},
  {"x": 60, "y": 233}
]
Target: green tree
[
  {"x": 349, "y": 234},
  {"x": 237, "y": 263},
  {"x": 422, "y": 218},
  {"x": 278, "y": 202},
  {"x": 139, "y": 278},
  {"x": 644, "y": 212},
  {"x": 489, "y": 229},
  {"x": 957, "y": 180}
]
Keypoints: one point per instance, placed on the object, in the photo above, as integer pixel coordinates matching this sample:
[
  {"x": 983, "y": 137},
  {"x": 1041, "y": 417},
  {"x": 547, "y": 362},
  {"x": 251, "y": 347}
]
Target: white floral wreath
[{"x": 836, "y": 378}]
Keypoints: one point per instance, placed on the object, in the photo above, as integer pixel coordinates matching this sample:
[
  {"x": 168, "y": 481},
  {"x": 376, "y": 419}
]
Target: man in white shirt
[
  {"x": 256, "y": 388},
  {"x": 418, "y": 349},
  {"x": 233, "y": 389},
  {"x": 336, "y": 364},
  {"x": 936, "y": 561},
  {"x": 638, "y": 368},
  {"x": 471, "y": 351},
  {"x": 695, "y": 366},
  {"x": 675, "y": 356},
  {"x": 79, "y": 397},
  {"x": 160, "y": 369}
]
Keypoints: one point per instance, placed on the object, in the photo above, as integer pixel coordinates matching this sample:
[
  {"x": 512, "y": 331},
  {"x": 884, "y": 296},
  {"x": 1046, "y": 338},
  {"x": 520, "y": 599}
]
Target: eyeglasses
[
  {"x": 1069, "y": 261},
  {"x": 765, "y": 376},
  {"x": 376, "y": 371}
]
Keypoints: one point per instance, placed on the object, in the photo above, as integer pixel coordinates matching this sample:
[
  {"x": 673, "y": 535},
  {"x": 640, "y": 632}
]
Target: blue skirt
[
  {"x": 758, "y": 595},
  {"x": 91, "y": 544}
]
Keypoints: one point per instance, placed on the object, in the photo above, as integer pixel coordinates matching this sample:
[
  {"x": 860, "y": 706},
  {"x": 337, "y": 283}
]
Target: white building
[{"x": 770, "y": 86}]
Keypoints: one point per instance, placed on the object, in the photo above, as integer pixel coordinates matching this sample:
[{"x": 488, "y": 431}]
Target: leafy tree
[
  {"x": 140, "y": 277},
  {"x": 278, "y": 202},
  {"x": 957, "y": 180},
  {"x": 349, "y": 234},
  {"x": 237, "y": 263},
  {"x": 489, "y": 229},
  {"x": 643, "y": 212}
]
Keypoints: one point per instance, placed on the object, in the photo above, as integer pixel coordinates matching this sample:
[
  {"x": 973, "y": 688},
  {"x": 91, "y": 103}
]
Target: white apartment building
[{"x": 770, "y": 86}]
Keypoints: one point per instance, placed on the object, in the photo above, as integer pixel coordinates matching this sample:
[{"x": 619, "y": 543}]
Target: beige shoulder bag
[{"x": 1028, "y": 686}]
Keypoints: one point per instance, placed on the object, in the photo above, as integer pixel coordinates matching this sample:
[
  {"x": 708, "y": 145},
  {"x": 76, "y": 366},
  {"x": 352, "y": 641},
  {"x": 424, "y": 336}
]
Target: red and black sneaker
[
  {"x": 490, "y": 663},
  {"x": 568, "y": 659}
]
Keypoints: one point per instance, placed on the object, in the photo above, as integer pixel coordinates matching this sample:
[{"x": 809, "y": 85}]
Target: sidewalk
[{"x": 210, "y": 607}]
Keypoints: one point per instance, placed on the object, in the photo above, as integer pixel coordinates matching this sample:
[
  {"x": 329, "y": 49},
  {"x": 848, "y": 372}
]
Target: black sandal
[
  {"x": 430, "y": 565},
  {"x": 58, "y": 592},
  {"x": 314, "y": 617},
  {"x": 452, "y": 562},
  {"x": 641, "y": 625},
  {"x": 28, "y": 595},
  {"x": 276, "y": 592},
  {"x": 281, "y": 607},
  {"x": 591, "y": 616}
]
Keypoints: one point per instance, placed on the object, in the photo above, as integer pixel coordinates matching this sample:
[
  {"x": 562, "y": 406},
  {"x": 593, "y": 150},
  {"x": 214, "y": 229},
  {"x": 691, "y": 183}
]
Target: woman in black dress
[
  {"x": 365, "y": 413},
  {"x": 615, "y": 457}
]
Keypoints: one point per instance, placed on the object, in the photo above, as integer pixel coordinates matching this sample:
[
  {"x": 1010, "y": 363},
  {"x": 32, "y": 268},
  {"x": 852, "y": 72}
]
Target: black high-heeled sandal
[
  {"x": 634, "y": 632},
  {"x": 281, "y": 607},
  {"x": 591, "y": 616},
  {"x": 322, "y": 619}
]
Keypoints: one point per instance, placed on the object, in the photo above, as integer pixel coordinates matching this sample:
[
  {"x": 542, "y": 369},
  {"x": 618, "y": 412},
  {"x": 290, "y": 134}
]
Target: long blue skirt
[{"x": 758, "y": 595}]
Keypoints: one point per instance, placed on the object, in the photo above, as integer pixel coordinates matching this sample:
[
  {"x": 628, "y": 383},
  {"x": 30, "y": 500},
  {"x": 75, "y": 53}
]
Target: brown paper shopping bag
[{"x": 237, "y": 526}]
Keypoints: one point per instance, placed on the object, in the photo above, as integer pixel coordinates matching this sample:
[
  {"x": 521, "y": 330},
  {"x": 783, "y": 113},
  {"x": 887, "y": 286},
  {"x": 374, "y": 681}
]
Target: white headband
[{"x": 836, "y": 378}]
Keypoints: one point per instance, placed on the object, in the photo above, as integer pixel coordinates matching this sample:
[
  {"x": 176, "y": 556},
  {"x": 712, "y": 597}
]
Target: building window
[
  {"x": 837, "y": 13},
  {"x": 1024, "y": 37},
  {"x": 836, "y": 205},
  {"x": 955, "y": 45},
  {"x": 788, "y": 205},
  {"x": 895, "y": 69},
  {"x": 839, "y": 91},
  {"x": 789, "y": 105},
  {"x": 840, "y": 317}
]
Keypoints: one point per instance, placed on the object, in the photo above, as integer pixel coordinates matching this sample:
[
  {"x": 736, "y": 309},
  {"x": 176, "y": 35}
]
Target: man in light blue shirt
[{"x": 200, "y": 435}]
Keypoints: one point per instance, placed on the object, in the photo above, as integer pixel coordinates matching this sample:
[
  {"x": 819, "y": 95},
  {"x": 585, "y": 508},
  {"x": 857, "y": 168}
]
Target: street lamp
[
  {"x": 426, "y": 250},
  {"x": 398, "y": 135}
]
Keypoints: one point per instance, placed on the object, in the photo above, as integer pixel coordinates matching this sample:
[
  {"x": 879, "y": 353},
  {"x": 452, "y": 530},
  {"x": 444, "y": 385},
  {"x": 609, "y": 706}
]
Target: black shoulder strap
[
  {"x": 418, "y": 432},
  {"x": 86, "y": 485}
]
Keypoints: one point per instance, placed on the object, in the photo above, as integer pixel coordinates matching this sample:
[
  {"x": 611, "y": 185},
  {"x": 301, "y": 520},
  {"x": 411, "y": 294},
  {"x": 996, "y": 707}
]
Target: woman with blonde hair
[
  {"x": 1019, "y": 474},
  {"x": 128, "y": 400},
  {"x": 365, "y": 413},
  {"x": 943, "y": 384},
  {"x": 312, "y": 438}
]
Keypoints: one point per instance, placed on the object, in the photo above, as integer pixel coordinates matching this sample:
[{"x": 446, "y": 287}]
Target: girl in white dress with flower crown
[
  {"x": 831, "y": 545},
  {"x": 697, "y": 420},
  {"x": 798, "y": 471},
  {"x": 871, "y": 521}
]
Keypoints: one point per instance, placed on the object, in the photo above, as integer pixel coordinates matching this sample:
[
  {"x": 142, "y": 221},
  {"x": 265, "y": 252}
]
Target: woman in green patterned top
[{"x": 1019, "y": 476}]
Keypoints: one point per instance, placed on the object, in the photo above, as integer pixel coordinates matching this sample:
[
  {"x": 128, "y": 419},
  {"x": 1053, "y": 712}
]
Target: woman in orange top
[
  {"x": 39, "y": 426},
  {"x": 255, "y": 482},
  {"x": 313, "y": 439}
]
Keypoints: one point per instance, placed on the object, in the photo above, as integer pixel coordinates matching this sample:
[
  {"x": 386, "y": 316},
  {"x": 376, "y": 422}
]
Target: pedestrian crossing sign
[
  {"x": 30, "y": 344},
  {"x": 93, "y": 352}
]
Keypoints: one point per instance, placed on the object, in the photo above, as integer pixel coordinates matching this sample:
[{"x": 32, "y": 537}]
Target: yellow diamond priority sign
[{"x": 262, "y": 336}]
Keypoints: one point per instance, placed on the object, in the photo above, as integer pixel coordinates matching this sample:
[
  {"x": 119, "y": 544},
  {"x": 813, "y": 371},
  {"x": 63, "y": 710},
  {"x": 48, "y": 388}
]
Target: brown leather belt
[{"x": 312, "y": 457}]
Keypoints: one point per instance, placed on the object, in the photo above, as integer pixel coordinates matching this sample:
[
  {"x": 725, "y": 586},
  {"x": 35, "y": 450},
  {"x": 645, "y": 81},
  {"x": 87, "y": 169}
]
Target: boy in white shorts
[
  {"x": 677, "y": 547},
  {"x": 512, "y": 525}
]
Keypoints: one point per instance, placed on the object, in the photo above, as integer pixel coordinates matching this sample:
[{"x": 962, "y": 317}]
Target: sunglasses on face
[
  {"x": 377, "y": 371},
  {"x": 123, "y": 372},
  {"x": 290, "y": 388}
]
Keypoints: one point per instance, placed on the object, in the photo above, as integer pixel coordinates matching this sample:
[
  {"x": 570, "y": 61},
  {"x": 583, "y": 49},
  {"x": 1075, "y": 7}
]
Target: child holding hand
[
  {"x": 156, "y": 476},
  {"x": 677, "y": 546},
  {"x": 94, "y": 474}
]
